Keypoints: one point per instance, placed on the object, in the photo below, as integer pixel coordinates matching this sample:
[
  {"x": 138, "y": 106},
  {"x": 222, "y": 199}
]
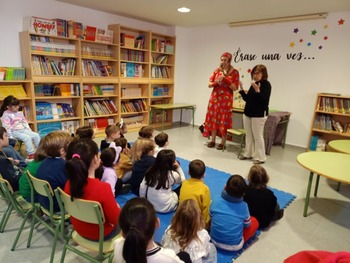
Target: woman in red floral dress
[{"x": 224, "y": 81}]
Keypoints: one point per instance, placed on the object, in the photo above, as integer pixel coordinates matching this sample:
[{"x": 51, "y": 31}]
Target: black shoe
[
  {"x": 280, "y": 214},
  {"x": 125, "y": 189}
]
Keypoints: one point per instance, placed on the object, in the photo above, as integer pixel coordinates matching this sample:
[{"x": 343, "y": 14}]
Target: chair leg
[
  {"x": 31, "y": 231},
  {"x": 57, "y": 230},
  {"x": 20, "y": 231},
  {"x": 5, "y": 218}
]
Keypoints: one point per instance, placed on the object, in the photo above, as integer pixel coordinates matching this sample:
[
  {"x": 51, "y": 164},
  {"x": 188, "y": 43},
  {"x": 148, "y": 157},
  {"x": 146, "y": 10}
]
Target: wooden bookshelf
[
  {"x": 331, "y": 120},
  {"x": 98, "y": 75}
]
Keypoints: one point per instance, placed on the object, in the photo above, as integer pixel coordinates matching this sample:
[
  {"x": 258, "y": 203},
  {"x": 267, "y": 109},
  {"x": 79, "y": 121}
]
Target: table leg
[
  {"x": 316, "y": 186},
  {"x": 180, "y": 116},
  {"x": 307, "y": 199},
  {"x": 338, "y": 186},
  {"x": 163, "y": 117}
]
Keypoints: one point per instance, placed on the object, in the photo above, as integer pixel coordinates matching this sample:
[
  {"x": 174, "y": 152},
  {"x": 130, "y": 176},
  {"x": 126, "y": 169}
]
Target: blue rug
[{"x": 216, "y": 181}]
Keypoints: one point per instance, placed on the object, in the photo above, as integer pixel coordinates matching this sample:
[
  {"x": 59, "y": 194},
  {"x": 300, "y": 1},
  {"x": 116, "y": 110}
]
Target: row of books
[
  {"x": 12, "y": 73},
  {"x": 95, "y": 107},
  {"x": 47, "y": 111},
  {"x": 62, "y": 89},
  {"x": 95, "y": 68},
  {"x": 46, "y": 44},
  {"x": 97, "y": 52},
  {"x": 160, "y": 91},
  {"x": 162, "y": 46},
  {"x": 15, "y": 90},
  {"x": 338, "y": 105},
  {"x": 131, "y": 41},
  {"x": 91, "y": 90},
  {"x": 99, "y": 123},
  {"x": 160, "y": 101},
  {"x": 131, "y": 92},
  {"x": 157, "y": 117},
  {"x": 317, "y": 144},
  {"x": 160, "y": 59},
  {"x": 67, "y": 28},
  {"x": 160, "y": 72},
  {"x": 133, "y": 106},
  {"x": 42, "y": 65},
  {"x": 133, "y": 120},
  {"x": 326, "y": 122},
  {"x": 131, "y": 70},
  {"x": 46, "y": 127},
  {"x": 132, "y": 55}
]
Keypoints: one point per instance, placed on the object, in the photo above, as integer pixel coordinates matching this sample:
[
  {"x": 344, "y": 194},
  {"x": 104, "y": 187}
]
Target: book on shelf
[
  {"x": 313, "y": 143},
  {"x": 104, "y": 35},
  {"x": 90, "y": 33},
  {"x": 75, "y": 29},
  {"x": 43, "y": 110},
  {"x": 47, "y": 127},
  {"x": 130, "y": 70},
  {"x": 140, "y": 41},
  {"x": 40, "y": 25},
  {"x": 337, "y": 126},
  {"x": 321, "y": 145},
  {"x": 129, "y": 41},
  {"x": 15, "y": 90},
  {"x": 70, "y": 126},
  {"x": 12, "y": 73},
  {"x": 62, "y": 27}
]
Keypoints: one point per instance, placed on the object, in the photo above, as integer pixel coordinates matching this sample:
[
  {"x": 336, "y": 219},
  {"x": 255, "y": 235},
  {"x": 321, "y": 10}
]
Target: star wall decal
[
  {"x": 296, "y": 30},
  {"x": 320, "y": 47},
  {"x": 341, "y": 21},
  {"x": 309, "y": 44},
  {"x": 291, "y": 44},
  {"x": 313, "y": 32},
  {"x": 325, "y": 26},
  {"x": 301, "y": 40},
  {"x": 325, "y": 38},
  {"x": 249, "y": 70}
]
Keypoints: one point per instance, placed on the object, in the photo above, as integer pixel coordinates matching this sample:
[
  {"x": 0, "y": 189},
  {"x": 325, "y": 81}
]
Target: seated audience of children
[
  {"x": 161, "y": 141},
  {"x": 146, "y": 132},
  {"x": 112, "y": 132}
]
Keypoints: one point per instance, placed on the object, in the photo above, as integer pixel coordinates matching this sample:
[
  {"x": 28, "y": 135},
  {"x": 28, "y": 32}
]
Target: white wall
[{"x": 295, "y": 83}]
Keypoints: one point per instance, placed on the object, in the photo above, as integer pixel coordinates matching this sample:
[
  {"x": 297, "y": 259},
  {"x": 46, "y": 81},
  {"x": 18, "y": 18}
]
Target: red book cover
[
  {"x": 90, "y": 33},
  {"x": 102, "y": 123}
]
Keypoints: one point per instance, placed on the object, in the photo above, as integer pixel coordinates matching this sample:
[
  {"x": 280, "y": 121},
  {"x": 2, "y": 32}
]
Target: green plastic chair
[
  {"x": 236, "y": 134},
  {"x": 54, "y": 222},
  {"x": 90, "y": 212},
  {"x": 15, "y": 202}
]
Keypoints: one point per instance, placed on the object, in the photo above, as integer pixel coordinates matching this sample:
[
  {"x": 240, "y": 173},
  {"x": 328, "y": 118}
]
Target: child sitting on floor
[
  {"x": 123, "y": 130},
  {"x": 85, "y": 132},
  {"x": 146, "y": 132},
  {"x": 138, "y": 221},
  {"x": 124, "y": 166},
  {"x": 231, "y": 223},
  {"x": 141, "y": 155},
  {"x": 161, "y": 141},
  {"x": 195, "y": 188},
  {"x": 187, "y": 233},
  {"x": 261, "y": 201},
  {"x": 109, "y": 158},
  {"x": 112, "y": 133},
  {"x": 159, "y": 180}
]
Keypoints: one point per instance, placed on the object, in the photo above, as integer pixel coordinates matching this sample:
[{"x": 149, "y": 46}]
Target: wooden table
[
  {"x": 331, "y": 165},
  {"x": 165, "y": 107},
  {"x": 342, "y": 146}
]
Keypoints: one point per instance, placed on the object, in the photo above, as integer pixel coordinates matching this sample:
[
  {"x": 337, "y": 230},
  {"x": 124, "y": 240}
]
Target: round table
[
  {"x": 342, "y": 146},
  {"x": 332, "y": 165}
]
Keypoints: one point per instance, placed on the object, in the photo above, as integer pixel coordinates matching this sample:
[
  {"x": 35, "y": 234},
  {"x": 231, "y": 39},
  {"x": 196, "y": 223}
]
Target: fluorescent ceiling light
[
  {"x": 183, "y": 10},
  {"x": 278, "y": 19}
]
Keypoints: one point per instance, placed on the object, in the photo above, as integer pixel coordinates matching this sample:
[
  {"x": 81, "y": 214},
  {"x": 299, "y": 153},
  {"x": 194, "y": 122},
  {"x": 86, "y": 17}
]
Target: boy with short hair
[
  {"x": 195, "y": 188},
  {"x": 161, "y": 141},
  {"x": 112, "y": 132},
  {"x": 231, "y": 223}
]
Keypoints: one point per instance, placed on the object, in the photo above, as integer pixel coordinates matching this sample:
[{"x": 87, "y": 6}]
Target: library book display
[{"x": 71, "y": 82}]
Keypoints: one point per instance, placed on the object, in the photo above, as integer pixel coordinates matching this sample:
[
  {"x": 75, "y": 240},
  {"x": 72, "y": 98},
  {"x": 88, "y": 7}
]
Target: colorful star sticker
[
  {"x": 296, "y": 30},
  {"x": 325, "y": 38},
  {"x": 341, "y": 21},
  {"x": 291, "y": 44},
  {"x": 325, "y": 26},
  {"x": 313, "y": 32},
  {"x": 249, "y": 70},
  {"x": 301, "y": 40},
  {"x": 309, "y": 44},
  {"x": 320, "y": 47}
]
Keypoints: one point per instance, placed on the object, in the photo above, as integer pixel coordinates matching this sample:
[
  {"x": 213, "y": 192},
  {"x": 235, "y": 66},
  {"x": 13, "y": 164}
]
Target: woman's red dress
[{"x": 219, "y": 116}]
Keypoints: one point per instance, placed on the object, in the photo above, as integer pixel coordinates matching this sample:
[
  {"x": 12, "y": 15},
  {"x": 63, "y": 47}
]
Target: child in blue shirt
[{"x": 231, "y": 223}]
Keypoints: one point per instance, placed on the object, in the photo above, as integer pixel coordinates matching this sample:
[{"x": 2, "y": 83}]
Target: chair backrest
[
  {"x": 19, "y": 205},
  {"x": 84, "y": 210}
]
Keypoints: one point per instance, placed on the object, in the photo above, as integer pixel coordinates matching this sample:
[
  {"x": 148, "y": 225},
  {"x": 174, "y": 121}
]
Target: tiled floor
[{"x": 327, "y": 226}]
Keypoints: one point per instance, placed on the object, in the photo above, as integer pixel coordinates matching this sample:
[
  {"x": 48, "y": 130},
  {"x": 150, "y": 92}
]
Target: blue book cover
[
  {"x": 313, "y": 143},
  {"x": 130, "y": 70},
  {"x": 45, "y": 128},
  {"x": 43, "y": 111}
]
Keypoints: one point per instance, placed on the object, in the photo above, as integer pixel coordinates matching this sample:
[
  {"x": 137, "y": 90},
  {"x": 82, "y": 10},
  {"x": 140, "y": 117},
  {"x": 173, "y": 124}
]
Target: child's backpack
[{"x": 10, "y": 172}]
